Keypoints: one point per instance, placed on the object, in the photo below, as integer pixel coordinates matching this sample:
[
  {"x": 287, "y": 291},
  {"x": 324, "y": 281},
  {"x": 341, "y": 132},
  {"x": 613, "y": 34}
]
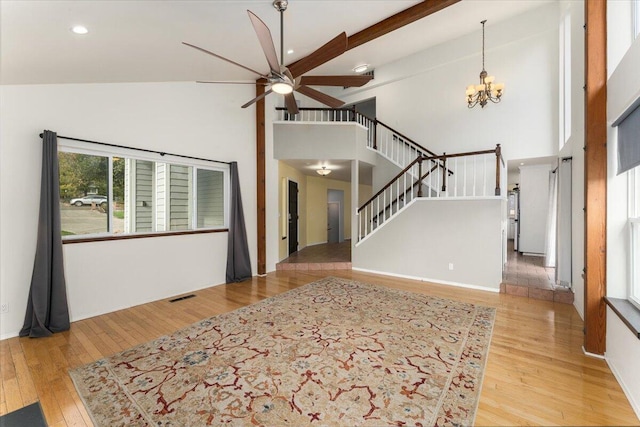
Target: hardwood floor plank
[
  {"x": 67, "y": 404},
  {"x": 23, "y": 376},
  {"x": 13, "y": 399},
  {"x": 536, "y": 372}
]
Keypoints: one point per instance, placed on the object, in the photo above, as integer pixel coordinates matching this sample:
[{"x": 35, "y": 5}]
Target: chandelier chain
[{"x": 483, "y": 43}]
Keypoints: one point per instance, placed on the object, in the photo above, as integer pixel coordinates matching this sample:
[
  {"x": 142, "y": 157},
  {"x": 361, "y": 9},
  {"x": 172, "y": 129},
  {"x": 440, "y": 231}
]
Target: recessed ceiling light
[
  {"x": 80, "y": 29},
  {"x": 522, "y": 164},
  {"x": 361, "y": 68},
  {"x": 290, "y": 51}
]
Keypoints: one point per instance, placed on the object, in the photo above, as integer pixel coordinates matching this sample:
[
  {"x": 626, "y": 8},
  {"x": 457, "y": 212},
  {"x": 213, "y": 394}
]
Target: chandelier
[{"x": 486, "y": 91}]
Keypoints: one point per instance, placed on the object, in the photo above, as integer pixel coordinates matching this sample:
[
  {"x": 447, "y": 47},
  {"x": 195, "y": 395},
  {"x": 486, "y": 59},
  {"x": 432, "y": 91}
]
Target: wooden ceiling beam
[{"x": 399, "y": 20}]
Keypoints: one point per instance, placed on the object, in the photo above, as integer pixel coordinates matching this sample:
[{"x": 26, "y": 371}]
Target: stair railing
[{"x": 472, "y": 177}]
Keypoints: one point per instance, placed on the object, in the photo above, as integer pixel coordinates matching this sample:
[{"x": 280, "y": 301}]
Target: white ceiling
[{"x": 140, "y": 41}]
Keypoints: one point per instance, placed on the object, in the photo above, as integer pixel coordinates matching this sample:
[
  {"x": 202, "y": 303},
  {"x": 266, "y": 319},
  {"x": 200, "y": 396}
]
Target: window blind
[{"x": 629, "y": 138}]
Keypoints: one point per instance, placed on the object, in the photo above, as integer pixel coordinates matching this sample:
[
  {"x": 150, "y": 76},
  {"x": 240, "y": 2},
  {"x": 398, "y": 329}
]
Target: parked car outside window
[{"x": 88, "y": 200}]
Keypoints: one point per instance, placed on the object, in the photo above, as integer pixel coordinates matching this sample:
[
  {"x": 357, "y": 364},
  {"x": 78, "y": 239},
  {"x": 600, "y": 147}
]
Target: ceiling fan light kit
[
  {"x": 486, "y": 91},
  {"x": 285, "y": 80}
]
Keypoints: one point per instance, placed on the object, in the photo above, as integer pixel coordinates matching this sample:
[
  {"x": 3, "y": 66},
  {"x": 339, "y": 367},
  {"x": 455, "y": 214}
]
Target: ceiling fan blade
[
  {"x": 232, "y": 83},
  {"x": 290, "y": 102},
  {"x": 224, "y": 59},
  {"x": 257, "y": 98},
  {"x": 266, "y": 41},
  {"x": 320, "y": 97},
  {"x": 334, "y": 48},
  {"x": 346, "y": 81}
]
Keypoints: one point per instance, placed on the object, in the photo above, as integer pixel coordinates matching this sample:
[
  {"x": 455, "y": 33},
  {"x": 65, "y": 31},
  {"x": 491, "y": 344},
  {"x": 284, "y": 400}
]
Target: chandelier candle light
[{"x": 486, "y": 90}]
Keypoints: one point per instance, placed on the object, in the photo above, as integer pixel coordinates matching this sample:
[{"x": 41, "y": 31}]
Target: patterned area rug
[{"x": 333, "y": 352}]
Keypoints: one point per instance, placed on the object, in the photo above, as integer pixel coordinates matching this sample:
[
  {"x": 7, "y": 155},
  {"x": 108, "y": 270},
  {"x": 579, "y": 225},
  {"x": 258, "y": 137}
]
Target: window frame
[
  {"x": 79, "y": 147},
  {"x": 635, "y": 18}
]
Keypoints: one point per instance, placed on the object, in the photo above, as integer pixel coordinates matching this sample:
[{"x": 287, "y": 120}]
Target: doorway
[
  {"x": 293, "y": 217},
  {"x": 335, "y": 216},
  {"x": 333, "y": 220}
]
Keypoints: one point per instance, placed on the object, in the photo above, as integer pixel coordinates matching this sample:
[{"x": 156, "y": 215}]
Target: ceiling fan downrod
[{"x": 281, "y": 6}]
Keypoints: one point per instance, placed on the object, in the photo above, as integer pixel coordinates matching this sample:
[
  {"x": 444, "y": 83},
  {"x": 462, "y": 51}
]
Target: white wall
[
  {"x": 623, "y": 347},
  {"x": 623, "y": 353},
  {"x": 434, "y": 233},
  {"x": 573, "y": 147},
  {"x": 183, "y": 118},
  {"x": 422, "y": 96}
]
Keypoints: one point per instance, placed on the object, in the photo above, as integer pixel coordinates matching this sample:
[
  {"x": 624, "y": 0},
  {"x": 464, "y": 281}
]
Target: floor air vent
[{"x": 181, "y": 298}]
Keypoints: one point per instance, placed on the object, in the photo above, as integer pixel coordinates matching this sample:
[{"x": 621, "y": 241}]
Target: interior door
[
  {"x": 293, "y": 217},
  {"x": 333, "y": 220}
]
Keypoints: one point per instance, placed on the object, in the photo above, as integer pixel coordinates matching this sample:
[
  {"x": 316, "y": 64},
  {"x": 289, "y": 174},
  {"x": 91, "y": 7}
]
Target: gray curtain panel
[
  {"x": 47, "y": 310},
  {"x": 238, "y": 261}
]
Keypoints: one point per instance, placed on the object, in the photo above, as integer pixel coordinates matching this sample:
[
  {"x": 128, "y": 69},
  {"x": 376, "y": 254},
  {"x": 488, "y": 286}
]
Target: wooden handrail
[
  {"x": 468, "y": 153},
  {"x": 407, "y": 190},
  {"x": 390, "y": 183},
  {"x": 403, "y": 136},
  {"x": 497, "y": 151}
]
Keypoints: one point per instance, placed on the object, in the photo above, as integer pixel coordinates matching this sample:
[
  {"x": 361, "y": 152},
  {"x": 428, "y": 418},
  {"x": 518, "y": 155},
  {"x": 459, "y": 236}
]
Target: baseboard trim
[
  {"x": 426, "y": 279},
  {"x": 634, "y": 405},
  {"x": 594, "y": 355}
]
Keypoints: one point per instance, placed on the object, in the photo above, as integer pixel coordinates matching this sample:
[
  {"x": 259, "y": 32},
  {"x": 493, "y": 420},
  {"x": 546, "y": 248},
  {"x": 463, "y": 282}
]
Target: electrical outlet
[
  {"x": 4, "y": 307},
  {"x": 450, "y": 266}
]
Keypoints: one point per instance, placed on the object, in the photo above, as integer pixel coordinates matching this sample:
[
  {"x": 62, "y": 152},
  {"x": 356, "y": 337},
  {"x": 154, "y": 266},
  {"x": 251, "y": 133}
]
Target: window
[
  {"x": 114, "y": 193},
  {"x": 634, "y": 236},
  {"x": 636, "y": 18},
  {"x": 565, "y": 79}
]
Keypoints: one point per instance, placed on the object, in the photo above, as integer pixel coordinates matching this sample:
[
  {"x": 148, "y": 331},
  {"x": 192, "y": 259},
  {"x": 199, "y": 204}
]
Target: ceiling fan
[{"x": 285, "y": 80}]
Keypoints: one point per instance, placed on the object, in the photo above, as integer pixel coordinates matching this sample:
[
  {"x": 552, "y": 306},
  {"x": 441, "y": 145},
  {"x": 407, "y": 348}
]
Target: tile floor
[
  {"x": 526, "y": 276},
  {"x": 327, "y": 256},
  {"x": 523, "y": 276}
]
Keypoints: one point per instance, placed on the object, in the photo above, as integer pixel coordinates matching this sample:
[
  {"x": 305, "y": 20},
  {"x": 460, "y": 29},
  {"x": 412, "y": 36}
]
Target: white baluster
[
  {"x": 484, "y": 175},
  {"x": 475, "y": 174},
  {"x": 455, "y": 177},
  {"x": 464, "y": 188}
]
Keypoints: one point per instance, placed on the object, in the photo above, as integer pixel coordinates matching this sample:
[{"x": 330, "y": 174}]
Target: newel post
[
  {"x": 420, "y": 176},
  {"x": 498, "y": 157},
  {"x": 444, "y": 172},
  {"x": 375, "y": 133}
]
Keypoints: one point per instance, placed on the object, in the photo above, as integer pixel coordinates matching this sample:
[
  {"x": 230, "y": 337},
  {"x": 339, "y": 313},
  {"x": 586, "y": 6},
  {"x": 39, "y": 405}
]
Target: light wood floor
[{"x": 536, "y": 373}]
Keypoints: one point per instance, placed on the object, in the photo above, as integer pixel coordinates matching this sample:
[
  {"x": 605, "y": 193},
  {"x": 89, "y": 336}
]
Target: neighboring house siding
[
  {"x": 144, "y": 196},
  {"x": 210, "y": 198},
  {"x": 161, "y": 199},
  {"x": 127, "y": 195},
  {"x": 179, "y": 190}
]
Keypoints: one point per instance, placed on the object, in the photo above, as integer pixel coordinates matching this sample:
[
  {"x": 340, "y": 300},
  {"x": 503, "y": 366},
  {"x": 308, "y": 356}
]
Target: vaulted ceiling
[{"x": 140, "y": 41}]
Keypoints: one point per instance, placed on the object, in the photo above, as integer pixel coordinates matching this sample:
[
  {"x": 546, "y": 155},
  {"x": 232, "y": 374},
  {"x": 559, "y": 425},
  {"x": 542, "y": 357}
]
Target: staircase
[
  {"x": 423, "y": 173},
  {"x": 453, "y": 225}
]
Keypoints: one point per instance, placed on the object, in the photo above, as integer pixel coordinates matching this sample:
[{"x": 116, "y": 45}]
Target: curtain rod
[{"x": 162, "y": 153}]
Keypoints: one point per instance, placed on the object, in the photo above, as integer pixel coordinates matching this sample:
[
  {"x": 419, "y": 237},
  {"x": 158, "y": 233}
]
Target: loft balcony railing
[{"x": 387, "y": 141}]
